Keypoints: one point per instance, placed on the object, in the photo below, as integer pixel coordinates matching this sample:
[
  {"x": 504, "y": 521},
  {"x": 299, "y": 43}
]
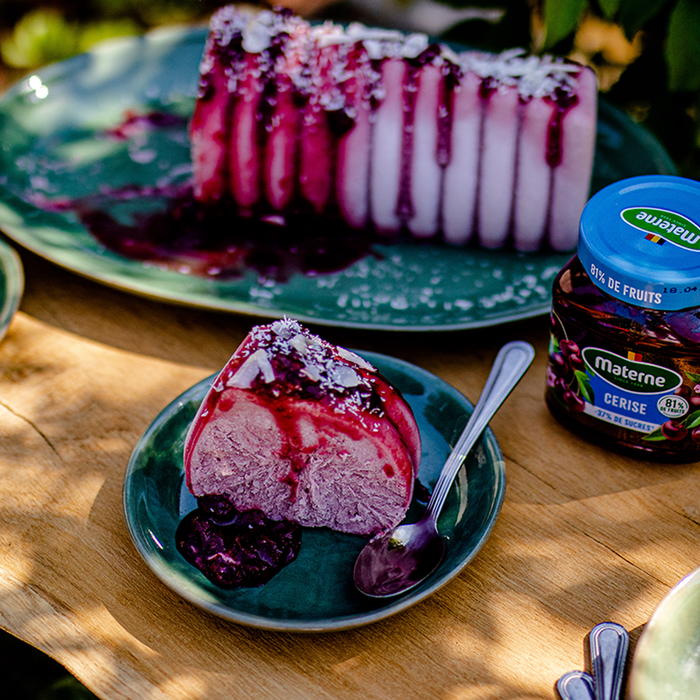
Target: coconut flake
[
  {"x": 359, "y": 32},
  {"x": 227, "y": 23},
  {"x": 248, "y": 372},
  {"x": 300, "y": 343},
  {"x": 257, "y": 36},
  {"x": 344, "y": 376},
  {"x": 313, "y": 372},
  {"x": 356, "y": 359},
  {"x": 414, "y": 45}
]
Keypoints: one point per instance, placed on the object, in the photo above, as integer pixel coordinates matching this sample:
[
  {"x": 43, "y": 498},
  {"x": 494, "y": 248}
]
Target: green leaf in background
[
  {"x": 43, "y": 36},
  {"x": 609, "y": 7},
  {"x": 67, "y": 688},
  {"x": 502, "y": 25},
  {"x": 95, "y": 32},
  {"x": 634, "y": 14},
  {"x": 683, "y": 47},
  {"x": 561, "y": 17},
  {"x": 693, "y": 377}
]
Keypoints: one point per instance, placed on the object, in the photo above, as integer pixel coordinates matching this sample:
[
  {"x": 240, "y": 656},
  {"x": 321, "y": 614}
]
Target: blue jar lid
[{"x": 639, "y": 241}]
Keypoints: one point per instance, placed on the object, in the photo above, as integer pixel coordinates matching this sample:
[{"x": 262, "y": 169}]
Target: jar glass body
[{"x": 624, "y": 376}]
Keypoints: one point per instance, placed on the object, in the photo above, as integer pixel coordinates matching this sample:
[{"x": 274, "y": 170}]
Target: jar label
[
  {"x": 664, "y": 225},
  {"x": 643, "y": 400},
  {"x": 627, "y": 392}
]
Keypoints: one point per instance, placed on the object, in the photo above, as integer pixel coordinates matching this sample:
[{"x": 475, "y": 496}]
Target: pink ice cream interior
[{"x": 307, "y": 432}]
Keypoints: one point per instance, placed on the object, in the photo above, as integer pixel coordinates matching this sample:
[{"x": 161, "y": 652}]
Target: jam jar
[{"x": 624, "y": 353}]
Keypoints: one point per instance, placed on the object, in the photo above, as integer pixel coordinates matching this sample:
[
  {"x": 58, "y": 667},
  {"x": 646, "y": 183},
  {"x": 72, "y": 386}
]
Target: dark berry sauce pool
[
  {"x": 180, "y": 234},
  {"x": 165, "y": 226},
  {"x": 243, "y": 549},
  {"x": 236, "y": 549}
]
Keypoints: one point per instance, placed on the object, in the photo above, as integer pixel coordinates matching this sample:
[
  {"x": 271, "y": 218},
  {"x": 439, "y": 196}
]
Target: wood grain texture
[{"x": 584, "y": 535}]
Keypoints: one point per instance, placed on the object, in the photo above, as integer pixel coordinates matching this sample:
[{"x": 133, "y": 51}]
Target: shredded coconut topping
[
  {"x": 533, "y": 76},
  {"x": 335, "y": 370},
  {"x": 227, "y": 23},
  {"x": 257, "y": 36}
]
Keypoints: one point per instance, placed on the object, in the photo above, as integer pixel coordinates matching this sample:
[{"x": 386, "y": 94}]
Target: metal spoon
[
  {"x": 608, "y": 643},
  {"x": 400, "y": 559},
  {"x": 576, "y": 685}
]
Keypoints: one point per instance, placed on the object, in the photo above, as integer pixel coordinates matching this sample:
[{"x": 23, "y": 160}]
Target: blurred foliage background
[{"x": 646, "y": 54}]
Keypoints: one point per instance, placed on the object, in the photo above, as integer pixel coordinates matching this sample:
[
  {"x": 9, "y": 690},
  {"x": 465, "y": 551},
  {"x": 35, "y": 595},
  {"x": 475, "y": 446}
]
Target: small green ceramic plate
[
  {"x": 11, "y": 285},
  {"x": 666, "y": 662},
  {"x": 315, "y": 592},
  {"x": 55, "y": 145}
]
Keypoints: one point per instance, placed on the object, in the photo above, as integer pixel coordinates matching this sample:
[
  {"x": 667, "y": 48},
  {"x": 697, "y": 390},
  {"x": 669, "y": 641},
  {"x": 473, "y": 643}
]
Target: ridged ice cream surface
[{"x": 392, "y": 134}]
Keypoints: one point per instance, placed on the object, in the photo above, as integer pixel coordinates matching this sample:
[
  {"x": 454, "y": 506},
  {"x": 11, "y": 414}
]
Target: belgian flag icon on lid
[{"x": 654, "y": 238}]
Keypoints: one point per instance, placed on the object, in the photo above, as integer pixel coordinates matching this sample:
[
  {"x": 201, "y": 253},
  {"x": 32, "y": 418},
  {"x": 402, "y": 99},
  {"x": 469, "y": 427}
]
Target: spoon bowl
[{"x": 399, "y": 559}]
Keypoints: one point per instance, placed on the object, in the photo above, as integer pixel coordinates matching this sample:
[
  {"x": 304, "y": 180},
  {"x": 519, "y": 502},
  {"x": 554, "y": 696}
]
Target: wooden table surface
[{"x": 584, "y": 535}]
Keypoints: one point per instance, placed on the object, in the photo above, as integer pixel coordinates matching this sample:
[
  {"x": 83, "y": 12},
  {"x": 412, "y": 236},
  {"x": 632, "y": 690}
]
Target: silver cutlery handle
[
  {"x": 508, "y": 368},
  {"x": 576, "y": 685},
  {"x": 608, "y": 642}
]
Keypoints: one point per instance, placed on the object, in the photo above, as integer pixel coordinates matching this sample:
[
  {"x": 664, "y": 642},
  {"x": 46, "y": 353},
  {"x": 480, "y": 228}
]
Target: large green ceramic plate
[
  {"x": 53, "y": 145},
  {"x": 316, "y": 592},
  {"x": 666, "y": 662},
  {"x": 11, "y": 285}
]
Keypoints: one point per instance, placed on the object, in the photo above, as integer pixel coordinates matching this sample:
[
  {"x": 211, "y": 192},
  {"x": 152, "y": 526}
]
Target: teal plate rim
[
  {"x": 11, "y": 285},
  {"x": 407, "y": 287},
  {"x": 315, "y": 594}
]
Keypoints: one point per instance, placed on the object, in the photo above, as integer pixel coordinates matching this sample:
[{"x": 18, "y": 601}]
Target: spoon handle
[
  {"x": 608, "y": 643},
  {"x": 508, "y": 368},
  {"x": 575, "y": 685}
]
